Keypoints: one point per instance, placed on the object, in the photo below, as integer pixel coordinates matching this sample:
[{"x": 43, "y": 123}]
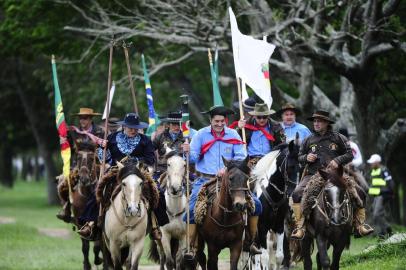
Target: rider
[
  {"x": 288, "y": 114},
  {"x": 323, "y": 148},
  {"x": 80, "y": 141},
  {"x": 263, "y": 134},
  {"x": 207, "y": 148},
  {"x": 128, "y": 143}
]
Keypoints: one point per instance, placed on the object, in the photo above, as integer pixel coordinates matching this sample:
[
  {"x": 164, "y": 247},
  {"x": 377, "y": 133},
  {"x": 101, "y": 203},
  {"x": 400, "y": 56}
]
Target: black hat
[
  {"x": 219, "y": 110},
  {"x": 248, "y": 104},
  {"x": 320, "y": 114},
  {"x": 288, "y": 107},
  {"x": 132, "y": 120},
  {"x": 173, "y": 117}
]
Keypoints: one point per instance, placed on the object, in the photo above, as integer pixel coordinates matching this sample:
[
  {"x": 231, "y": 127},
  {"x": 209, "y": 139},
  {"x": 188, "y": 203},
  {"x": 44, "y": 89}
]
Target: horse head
[
  {"x": 85, "y": 164},
  {"x": 132, "y": 182},
  {"x": 175, "y": 174},
  {"x": 236, "y": 177},
  {"x": 336, "y": 199}
]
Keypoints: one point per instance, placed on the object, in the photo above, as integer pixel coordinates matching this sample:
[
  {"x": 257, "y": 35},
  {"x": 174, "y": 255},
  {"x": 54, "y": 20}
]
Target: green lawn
[{"x": 23, "y": 247}]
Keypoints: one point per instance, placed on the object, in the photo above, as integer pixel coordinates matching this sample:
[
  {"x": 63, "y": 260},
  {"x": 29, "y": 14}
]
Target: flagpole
[
  {"x": 127, "y": 60},
  {"x": 108, "y": 109},
  {"x": 240, "y": 106}
]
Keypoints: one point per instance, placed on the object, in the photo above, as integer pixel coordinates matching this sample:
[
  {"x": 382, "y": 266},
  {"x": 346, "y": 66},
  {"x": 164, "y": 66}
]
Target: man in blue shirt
[
  {"x": 288, "y": 114},
  {"x": 206, "y": 150}
]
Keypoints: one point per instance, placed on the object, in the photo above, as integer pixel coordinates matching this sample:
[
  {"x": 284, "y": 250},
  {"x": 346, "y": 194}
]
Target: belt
[{"x": 207, "y": 175}]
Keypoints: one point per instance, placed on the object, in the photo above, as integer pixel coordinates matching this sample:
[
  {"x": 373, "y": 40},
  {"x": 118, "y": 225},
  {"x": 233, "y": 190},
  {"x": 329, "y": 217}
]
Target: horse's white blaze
[
  {"x": 132, "y": 191},
  {"x": 279, "y": 248},
  {"x": 335, "y": 202}
]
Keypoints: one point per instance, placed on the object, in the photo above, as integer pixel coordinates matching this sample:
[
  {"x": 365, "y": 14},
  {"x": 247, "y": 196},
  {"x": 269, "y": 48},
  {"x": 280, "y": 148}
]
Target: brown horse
[
  {"x": 85, "y": 177},
  {"x": 223, "y": 225}
]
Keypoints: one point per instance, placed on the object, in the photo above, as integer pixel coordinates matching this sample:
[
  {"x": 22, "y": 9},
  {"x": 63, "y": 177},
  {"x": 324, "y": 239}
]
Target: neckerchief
[{"x": 209, "y": 144}]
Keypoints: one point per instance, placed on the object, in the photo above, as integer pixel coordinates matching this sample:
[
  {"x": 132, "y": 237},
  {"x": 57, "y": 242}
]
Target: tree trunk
[{"x": 6, "y": 165}]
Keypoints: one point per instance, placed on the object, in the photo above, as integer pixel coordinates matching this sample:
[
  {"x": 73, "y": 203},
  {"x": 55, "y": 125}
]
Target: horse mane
[
  {"x": 171, "y": 154},
  {"x": 266, "y": 166},
  {"x": 335, "y": 176}
]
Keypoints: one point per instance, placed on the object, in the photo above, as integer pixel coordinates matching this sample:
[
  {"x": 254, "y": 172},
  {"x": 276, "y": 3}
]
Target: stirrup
[
  {"x": 296, "y": 231},
  {"x": 367, "y": 227}
]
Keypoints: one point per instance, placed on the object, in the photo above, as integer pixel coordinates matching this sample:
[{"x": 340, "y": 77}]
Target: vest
[{"x": 377, "y": 182}]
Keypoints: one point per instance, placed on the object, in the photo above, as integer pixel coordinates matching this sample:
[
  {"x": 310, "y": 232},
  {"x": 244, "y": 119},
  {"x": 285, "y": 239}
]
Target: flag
[
  {"x": 152, "y": 117},
  {"x": 214, "y": 79},
  {"x": 251, "y": 57},
  {"x": 61, "y": 124},
  {"x": 112, "y": 90},
  {"x": 185, "y": 117}
]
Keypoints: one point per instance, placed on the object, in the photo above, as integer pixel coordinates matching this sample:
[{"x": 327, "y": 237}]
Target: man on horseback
[
  {"x": 288, "y": 114},
  {"x": 323, "y": 148},
  {"x": 82, "y": 140},
  {"x": 207, "y": 148}
]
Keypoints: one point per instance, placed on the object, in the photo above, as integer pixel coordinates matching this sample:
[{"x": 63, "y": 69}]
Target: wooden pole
[
  {"x": 127, "y": 60},
  {"x": 187, "y": 200},
  {"x": 107, "y": 110},
  {"x": 240, "y": 106}
]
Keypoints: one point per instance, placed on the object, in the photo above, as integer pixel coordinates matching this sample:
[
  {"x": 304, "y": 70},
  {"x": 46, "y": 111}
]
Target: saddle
[{"x": 206, "y": 196}]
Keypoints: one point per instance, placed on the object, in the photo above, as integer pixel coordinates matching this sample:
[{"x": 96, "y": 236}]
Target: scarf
[
  {"x": 209, "y": 144},
  {"x": 254, "y": 128}
]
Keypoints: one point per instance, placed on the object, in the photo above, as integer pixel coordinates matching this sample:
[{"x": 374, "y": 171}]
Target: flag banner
[
  {"x": 112, "y": 90},
  {"x": 185, "y": 117},
  {"x": 60, "y": 123},
  {"x": 150, "y": 100},
  {"x": 251, "y": 57},
  {"x": 217, "y": 100}
]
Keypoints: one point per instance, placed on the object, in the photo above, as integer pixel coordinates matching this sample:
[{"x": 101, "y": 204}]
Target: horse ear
[
  {"x": 225, "y": 161},
  {"x": 119, "y": 165},
  {"x": 324, "y": 174},
  {"x": 291, "y": 146}
]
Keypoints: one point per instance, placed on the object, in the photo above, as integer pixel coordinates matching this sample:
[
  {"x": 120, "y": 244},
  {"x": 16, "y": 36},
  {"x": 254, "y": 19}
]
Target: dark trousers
[
  {"x": 298, "y": 192},
  {"x": 91, "y": 211}
]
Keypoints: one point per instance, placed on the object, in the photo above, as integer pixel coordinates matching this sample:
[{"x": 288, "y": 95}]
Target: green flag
[{"x": 214, "y": 79}]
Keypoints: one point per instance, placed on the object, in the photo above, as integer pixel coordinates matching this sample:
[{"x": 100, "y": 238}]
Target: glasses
[{"x": 262, "y": 117}]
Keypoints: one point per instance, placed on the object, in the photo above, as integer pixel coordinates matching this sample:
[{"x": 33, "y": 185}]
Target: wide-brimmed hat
[
  {"x": 320, "y": 114},
  {"x": 261, "y": 109},
  {"x": 132, "y": 120},
  {"x": 86, "y": 111},
  {"x": 219, "y": 110},
  {"x": 247, "y": 105},
  {"x": 173, "y": 117},
  {"x": 287, "y": 107}
]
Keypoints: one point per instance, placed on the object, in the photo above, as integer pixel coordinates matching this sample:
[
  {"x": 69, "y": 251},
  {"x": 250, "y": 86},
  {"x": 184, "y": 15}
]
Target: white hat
[{"x": 375, "y": 158}]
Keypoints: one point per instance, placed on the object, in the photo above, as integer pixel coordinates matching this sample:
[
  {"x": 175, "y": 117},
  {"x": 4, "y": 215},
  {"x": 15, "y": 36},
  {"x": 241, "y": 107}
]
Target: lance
[
  {"x": 127, "y": 60},
  {"x": 185, "y": 131}
]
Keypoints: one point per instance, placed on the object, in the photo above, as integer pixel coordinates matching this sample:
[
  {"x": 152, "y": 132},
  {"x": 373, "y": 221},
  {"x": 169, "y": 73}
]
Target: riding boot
[
  {"x": 65, "y": 213},
  {"x": 189, "y": 256},
  {"x": 252, "y": 228},
  {"x": 361, "y": 228},
  {"x": 87, "y": 230},
  {"x": 155, "y": 233},
  {"x": 299, "y": 231}
]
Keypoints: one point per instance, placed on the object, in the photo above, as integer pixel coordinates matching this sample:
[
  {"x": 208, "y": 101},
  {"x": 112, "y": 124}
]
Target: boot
[
  {"x": 361, "y": 228},
  {"x": 87, "y": 230},
  {"x": 299, "y": 231},
  {"x": 65, "y": 213},
  {"x": 252, "y": 228},
  {"x": 155, "y": 233},
  {"x": 189, "y": 256}
]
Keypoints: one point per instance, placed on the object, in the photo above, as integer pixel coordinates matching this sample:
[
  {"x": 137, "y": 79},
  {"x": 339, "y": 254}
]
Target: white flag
[
  {"x": 113, "y": 88},
  {"x": 251, "y": 58}
]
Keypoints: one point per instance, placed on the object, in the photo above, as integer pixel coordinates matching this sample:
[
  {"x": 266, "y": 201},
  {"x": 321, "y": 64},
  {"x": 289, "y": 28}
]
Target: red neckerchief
[
  {"x": 206, "y": 146},
  {"x": 263, "y": 130}
]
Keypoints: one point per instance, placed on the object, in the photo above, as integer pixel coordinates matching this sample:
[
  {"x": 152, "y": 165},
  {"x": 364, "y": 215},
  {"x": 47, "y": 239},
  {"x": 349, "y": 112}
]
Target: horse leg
[
  {"x": 307, "y": 259},
  {"x": 182, "y": 243},
  {"x": 115, "y": 255},
  {"x": 279, "y": 248},
  {"x": 337, "y": 251},
  {"x": 96, "y": 252},
  {"x": 107, "y": 261},
  {"x": 235, "y": 252},
  {"x": 286, "y": 252},
  {"x": 200, "y": 256},
  {"x": 213, "y": 256},
  {"x": 85, "y": 251},
  {"x": 322, "y": 250},
  {"x": 166, "y": 252},
  {"x": 136, "y": 252}
]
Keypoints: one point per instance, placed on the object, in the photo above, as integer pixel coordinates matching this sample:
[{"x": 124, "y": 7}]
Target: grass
[{"x": 23, "y": 247}]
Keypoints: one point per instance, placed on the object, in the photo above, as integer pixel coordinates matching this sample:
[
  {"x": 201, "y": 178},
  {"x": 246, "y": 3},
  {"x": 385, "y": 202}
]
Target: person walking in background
[
  {"x": 356, "y": 152},
  {"x": 381, "y": 189}
]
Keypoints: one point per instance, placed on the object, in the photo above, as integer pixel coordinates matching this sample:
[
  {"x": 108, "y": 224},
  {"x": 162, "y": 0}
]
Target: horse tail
[
  {"x": 153, "y": 253},
  {"x": 296, "y": 247}
]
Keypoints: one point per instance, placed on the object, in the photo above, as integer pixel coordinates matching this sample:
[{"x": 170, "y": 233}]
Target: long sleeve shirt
[
  {"x": 259, "y": 145},
  {"x": 211, "y": 162},
  {"x": 290, "y": 131},
  {"x": 357, "y": 161}
]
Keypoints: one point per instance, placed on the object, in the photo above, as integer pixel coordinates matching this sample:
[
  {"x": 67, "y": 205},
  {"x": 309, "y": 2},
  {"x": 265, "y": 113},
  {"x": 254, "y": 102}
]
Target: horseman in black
[{"x": 324, "y": 148}]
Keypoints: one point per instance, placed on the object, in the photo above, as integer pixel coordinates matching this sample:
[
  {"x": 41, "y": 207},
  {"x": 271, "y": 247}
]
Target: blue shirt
[
  {"x": 212, "y": 162},
  {"x": 290, "y": 131},
  {"x": 259, "y": 145}
]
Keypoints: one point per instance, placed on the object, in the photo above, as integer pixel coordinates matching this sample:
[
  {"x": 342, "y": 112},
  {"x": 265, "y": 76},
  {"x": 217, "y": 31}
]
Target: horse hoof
[
  {"x": 87, "y": 266},
  {"x": 98, "y": 261}
]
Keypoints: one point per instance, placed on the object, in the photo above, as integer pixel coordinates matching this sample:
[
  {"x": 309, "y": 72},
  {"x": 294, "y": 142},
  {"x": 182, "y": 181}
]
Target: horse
[
  {"x": 224, "y": 222},
  {"x": 85, "y": 176},
  {"x": 173, "y": 233},
  {"x": 126, "y": 220},
  {"x": 330, "y": 222}
]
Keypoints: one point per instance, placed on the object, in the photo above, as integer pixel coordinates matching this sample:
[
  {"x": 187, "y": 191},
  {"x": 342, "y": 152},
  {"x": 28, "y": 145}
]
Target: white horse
[
  {"x": 175, "y": 199},
  {"x": 126, "y": 221}
]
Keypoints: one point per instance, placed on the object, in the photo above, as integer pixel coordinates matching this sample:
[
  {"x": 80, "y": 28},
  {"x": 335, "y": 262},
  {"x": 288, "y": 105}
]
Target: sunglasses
[{"x": 262, "y": 117}]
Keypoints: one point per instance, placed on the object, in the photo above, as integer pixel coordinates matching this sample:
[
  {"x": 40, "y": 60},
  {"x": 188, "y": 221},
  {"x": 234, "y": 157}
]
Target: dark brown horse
[
  {"x": 85, "y": 176},
  {"x": 223, "y": 225},
  {"x": 330, "y": 222}
]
